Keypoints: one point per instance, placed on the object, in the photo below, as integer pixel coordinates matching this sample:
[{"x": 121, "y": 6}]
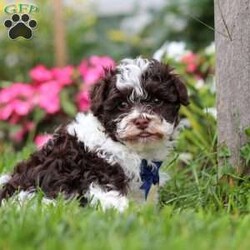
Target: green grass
[{"x": 197, "y": 211}]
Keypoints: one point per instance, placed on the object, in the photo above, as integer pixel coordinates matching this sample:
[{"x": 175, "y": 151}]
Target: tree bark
[
  {"x": 232, "y": 39},
  {"x": 59, "y": 34}
]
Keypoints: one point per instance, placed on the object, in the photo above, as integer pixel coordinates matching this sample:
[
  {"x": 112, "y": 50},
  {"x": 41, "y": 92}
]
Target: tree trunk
[
  {"x": 59, "y": 34},
  {"x": 232, "y": 38}
]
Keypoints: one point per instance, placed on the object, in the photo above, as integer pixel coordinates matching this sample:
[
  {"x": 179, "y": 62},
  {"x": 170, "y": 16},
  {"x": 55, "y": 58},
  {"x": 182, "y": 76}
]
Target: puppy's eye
[
  {"x": 157, "y": 101},
  {"x": 123, "y": 105}
]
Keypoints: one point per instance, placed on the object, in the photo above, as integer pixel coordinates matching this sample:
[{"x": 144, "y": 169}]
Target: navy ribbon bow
[{"x": 149, "y": 174}]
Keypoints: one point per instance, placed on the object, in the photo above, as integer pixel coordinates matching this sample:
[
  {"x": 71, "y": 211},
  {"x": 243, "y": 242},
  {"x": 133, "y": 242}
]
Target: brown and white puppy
[{"x": 114, "y": 152}]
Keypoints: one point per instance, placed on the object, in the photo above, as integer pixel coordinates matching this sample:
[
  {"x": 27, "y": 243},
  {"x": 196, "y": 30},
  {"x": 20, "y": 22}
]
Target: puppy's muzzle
[{"x": 141, "y": 122}]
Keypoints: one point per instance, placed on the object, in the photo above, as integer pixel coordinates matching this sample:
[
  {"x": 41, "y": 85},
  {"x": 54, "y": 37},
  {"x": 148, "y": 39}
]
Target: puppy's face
[{"x": 138, "y": 102}]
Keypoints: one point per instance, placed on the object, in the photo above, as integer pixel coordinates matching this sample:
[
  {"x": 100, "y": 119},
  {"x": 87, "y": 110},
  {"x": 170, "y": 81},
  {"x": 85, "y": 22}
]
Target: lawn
[{"x": 197, "y": 211}]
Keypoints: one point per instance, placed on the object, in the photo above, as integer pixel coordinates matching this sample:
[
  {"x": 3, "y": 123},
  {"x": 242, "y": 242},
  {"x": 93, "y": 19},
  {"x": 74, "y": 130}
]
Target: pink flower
[
  {"x": 5, "y": 112},
  {"x": 191, "y": 67},
  {"x": 191, "y": 60},
  {"x": 40, "y": 74},
  {"x": 63, "y": 75},
  {"x": 83, "y": 100},
  {"x": 16, "y": 100},
  {"x": 20, "y": 107},
  {"x": 48, "y": 97},
  {"x": 102, "y": 61},
  {"x": 92, "y": 69},
  {"x": 14, "y": 119},
  {"x": 16, "y": 90},
  {"x": 41, "y": 140}
]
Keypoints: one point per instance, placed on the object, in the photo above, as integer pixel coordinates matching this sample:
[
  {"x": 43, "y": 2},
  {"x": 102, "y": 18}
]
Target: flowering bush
[
  {"x": 197, "y": 71},
  {"x": 26, "y": 109}
]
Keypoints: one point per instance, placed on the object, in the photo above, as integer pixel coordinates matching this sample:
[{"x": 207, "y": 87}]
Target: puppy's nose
[{"x": 141, "y": 123}]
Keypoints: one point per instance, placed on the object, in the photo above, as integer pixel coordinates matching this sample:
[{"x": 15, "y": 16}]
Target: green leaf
[
  {"x": 39, "y": 115},
  {"x": 224, "y": 152},
  {"x": 247, "y": 132},
  {"x": 67, "y": 104},
  {"x": 245, "y": 152},
  {"x": 4, "y": 84}
]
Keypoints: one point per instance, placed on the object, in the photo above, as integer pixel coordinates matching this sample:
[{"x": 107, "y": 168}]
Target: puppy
[{"x": 114, "y": 152}]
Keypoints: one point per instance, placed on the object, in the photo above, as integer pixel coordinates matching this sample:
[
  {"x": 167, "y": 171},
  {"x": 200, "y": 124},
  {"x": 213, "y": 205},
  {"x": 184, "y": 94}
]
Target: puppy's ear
[
  {"x": 179, "y": 85},
  {"x": 99, "y": 92},
  {"x": 182, "y": 92},
  {"x": 97, "y": 97}
]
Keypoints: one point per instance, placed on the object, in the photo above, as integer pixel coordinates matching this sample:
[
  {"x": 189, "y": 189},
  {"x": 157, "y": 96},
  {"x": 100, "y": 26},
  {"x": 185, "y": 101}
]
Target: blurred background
[
  {"x": 103, "y": 27},
  {"x": 44, "y": 81}
]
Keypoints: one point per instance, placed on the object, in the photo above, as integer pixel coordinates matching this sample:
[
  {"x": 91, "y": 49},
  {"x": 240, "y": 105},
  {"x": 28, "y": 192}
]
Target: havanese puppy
[{"x": 113, "y": 153}]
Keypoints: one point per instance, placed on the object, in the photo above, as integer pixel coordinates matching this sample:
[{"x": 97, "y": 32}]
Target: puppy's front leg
[
  {"x": 153, "y": 196},
  {"x": 107, "y": 199}
]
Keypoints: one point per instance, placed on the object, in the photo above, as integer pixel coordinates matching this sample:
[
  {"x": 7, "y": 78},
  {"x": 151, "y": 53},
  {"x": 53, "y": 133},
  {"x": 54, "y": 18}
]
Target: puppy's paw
[
  {"x": 4, "y": 179},
  {"x": 107, "y": 200}
]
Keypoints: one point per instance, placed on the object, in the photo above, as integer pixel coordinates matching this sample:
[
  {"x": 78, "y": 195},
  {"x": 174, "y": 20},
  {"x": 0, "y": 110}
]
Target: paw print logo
[{"x": 20, "y": 26}]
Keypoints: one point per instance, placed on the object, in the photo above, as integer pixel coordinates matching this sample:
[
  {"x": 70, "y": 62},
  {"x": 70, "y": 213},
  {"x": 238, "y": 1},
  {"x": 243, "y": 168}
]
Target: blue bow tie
[{"x": 149, "y": 174}]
